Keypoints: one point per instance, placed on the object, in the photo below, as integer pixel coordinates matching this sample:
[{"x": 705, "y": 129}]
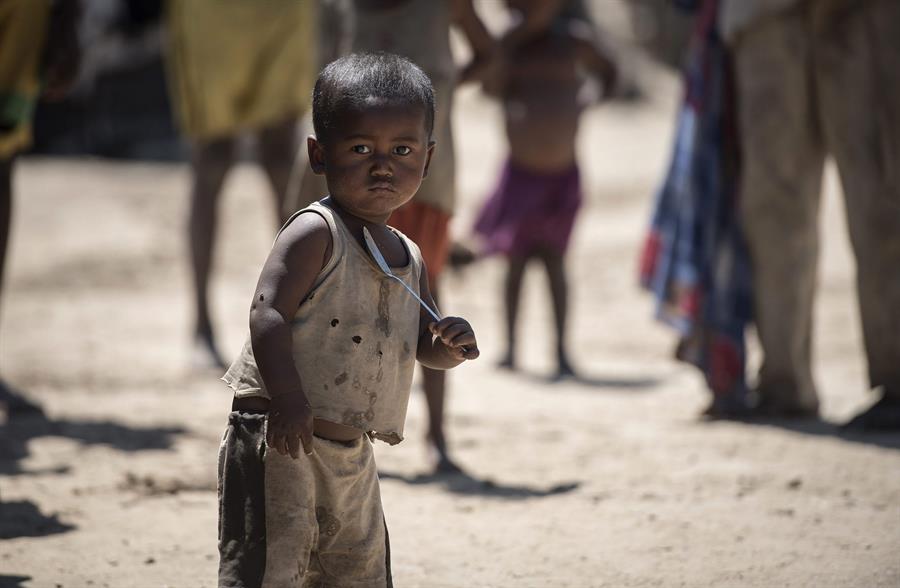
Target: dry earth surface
[{"x": 608, "y": 481}]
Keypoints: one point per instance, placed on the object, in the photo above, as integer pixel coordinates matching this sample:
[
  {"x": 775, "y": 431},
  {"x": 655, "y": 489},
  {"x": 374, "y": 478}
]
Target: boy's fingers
[
  {"x": 293, "y": 445},
  {"x": 470, "y": 353},
  {"x": 443, "y": 324},
  {"x": 278, "y": 444},
  {"x": 307, "y": 441},
  {"x": 464, "y": 339},
  {"x": 452, "y": 332}
]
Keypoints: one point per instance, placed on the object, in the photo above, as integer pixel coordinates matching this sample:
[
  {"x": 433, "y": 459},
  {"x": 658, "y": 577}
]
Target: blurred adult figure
[
  {"x": 694, "y": 259},
  {"x": 39, "y": 54},
  {"x": 818, "y": 78},
  {"x": 236, "y": 67}
]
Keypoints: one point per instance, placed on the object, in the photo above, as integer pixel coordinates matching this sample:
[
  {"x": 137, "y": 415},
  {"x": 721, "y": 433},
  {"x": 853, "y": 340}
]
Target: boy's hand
[
  {"x": 457, "y": 335},
  {"x": 290, "y": 425}
]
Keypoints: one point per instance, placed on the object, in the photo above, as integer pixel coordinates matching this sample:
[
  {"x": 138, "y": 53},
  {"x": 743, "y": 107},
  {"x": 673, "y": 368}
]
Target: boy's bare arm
[
  {"x": 595, "y": 58},
  {"x": 297, "y": 256},
  {"x": 444, "y": 344},
  {"x": 536, "y": 19},
  {"x": 483, "y": 46}
]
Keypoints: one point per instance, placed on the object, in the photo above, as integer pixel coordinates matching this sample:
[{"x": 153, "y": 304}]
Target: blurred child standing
[{"x": 531, "y": 213}]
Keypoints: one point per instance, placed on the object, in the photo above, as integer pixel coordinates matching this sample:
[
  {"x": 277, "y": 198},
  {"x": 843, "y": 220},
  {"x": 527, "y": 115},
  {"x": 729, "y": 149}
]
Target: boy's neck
[{"x": 353, "y": 220}]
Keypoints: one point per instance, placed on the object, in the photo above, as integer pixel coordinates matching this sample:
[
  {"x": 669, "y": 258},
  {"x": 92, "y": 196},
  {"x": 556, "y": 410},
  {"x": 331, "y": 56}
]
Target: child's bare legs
[
  {"x": 556, "y": 277},
  {"x": 277, "y": 147},
  {"x": 210, "y": 161},
  {"x": 434, "y": 386},
  {"x": 559, "y": 290},
  {"x": 512, "y": 292}
]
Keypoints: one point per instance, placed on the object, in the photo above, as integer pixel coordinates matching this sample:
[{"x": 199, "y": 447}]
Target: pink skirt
[{"x": 530, "y": 211}]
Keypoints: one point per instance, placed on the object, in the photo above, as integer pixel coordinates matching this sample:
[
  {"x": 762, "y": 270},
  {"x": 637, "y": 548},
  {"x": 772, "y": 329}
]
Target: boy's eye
[
  {"x": 361, "y": 149},
  {"x": 402, "y": 150}
]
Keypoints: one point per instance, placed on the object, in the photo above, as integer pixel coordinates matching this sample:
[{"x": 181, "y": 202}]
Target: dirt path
[{"x": 610, "y": 482}]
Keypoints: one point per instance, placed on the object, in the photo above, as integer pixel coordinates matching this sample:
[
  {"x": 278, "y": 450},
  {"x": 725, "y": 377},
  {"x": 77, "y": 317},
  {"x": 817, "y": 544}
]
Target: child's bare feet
[
  {"x": 564, "y": 369},
  {"x": 205, "y": 356},
  {"x": 440, "y": 458},
  {"x": 460, "y": 255},
  {"x": 446, "y": 466}
]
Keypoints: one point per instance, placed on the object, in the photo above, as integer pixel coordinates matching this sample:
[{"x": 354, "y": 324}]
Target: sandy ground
[{"x": 612, "y": 481}]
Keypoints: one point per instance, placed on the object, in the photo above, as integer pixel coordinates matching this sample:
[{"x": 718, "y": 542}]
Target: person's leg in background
[
  {"x": 512, "y": 294},
  {"x": 210, "y": 162},
  {"x": 554, "y": 263},
  {"x": 783, "y": 162},
  {"x": 857, "y": 58},
  {"x": 277, "y": 149},
  {"x": 429, "y": 228},
  {"x": 14, "y": 403}
]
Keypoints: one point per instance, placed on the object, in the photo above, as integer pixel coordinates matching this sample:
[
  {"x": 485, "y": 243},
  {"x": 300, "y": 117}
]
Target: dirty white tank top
[{"x": 354, "y": 338}]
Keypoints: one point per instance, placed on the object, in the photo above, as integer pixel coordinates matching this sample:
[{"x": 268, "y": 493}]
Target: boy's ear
[
  {"x": 316, "y": 155},
  {"x": 428, "y": 158}
]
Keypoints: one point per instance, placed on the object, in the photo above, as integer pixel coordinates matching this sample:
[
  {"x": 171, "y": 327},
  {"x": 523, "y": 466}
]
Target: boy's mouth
[{"x": 387, "y": 186}]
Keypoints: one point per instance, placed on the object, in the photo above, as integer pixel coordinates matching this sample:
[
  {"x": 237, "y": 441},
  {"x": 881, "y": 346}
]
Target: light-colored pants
[
  {"x": 292, "y": 523},
  {"x": 822, "y": 78}
]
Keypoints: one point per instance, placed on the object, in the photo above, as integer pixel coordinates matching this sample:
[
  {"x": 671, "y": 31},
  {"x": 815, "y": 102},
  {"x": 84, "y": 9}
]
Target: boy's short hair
[{"x": 351, "y": 80}]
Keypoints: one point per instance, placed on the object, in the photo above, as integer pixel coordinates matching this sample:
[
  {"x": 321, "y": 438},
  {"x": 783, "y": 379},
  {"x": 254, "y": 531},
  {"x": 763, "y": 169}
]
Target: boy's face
[{"x": 374, "y": 159}]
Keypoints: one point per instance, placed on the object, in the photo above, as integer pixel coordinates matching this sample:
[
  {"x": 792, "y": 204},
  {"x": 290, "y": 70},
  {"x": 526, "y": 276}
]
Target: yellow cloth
[
  {"x": 239, "y": 65},
  {"x": 23, "y": 29}
]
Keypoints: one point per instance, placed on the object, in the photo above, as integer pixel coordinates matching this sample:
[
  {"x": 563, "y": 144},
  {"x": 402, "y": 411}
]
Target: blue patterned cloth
[{"x": 694, "y": 259}]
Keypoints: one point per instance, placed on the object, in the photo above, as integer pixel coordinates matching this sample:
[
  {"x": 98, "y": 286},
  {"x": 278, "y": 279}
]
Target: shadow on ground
[
  {"x": 820, "y": 428},
  {"x": 612, "y": 383},
  {"x": 12, "y": 581},
  {"x": 21, "y": 429},
  {"x": 24, "y": 519},
  {"x": 466, "y": 484}
]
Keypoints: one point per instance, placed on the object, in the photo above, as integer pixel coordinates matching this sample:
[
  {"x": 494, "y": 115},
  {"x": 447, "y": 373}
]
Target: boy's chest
[{"x": 390, "y": 246}]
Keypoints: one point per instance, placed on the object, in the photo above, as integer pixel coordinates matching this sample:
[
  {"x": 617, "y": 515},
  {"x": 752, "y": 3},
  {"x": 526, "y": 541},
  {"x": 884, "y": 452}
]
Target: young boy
[
  {"x": 532, "y": 211},
  {"x": 333, "y": 342}
]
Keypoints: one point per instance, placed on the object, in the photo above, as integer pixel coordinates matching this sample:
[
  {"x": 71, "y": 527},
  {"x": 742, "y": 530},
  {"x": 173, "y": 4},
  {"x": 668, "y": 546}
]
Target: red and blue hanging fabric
[{"x": 694, "y": 259}]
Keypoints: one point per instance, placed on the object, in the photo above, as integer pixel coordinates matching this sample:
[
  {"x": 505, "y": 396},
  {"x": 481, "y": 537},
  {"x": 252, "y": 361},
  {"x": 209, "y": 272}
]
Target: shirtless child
[{"x": 531, "y": 212}]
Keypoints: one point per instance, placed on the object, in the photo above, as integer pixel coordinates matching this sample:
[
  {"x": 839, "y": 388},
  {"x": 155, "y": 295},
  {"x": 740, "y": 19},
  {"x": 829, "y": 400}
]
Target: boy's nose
[{"x": 381, "y": 167}]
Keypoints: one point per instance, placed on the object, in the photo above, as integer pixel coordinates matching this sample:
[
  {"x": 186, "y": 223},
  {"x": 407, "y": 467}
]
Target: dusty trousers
[
  {"x": 821, "y": 79},
  {"x": 297, "y": 523}
]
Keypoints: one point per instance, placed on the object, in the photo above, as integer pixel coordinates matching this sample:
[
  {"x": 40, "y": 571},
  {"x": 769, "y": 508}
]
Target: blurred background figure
[
  {"x": 420, "y": 31},
  {"x": 694, "y": 259},
  {"x": 39, "y": 53},
  {"x": 236, "y": 67},
  {"x": 532, "y": 211},
  {"x": 818, "y": 78},
  {"x": 118, "y": 106}
]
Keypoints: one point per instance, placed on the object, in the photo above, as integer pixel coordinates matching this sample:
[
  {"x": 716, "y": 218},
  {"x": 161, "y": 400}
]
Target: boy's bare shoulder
[{"x": 307, "y": 234}]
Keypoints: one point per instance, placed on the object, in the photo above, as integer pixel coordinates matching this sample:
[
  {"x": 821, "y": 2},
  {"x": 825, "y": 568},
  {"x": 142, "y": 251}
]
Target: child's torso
[
  {"x": 354, "y": 339},
  {"x": 541, "y": 104}
]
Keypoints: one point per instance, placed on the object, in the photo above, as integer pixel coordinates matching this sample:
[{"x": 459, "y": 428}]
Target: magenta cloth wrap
[{"x": 529, "y": 211}]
